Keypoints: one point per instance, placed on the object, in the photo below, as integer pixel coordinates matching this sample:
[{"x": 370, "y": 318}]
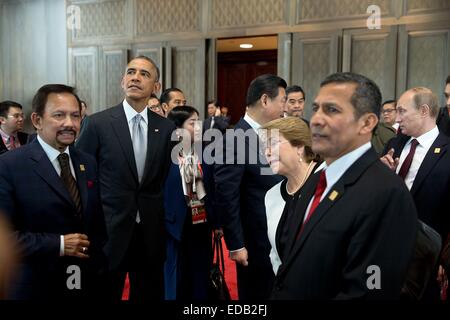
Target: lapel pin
[
  {"x": 82, "y": 168},
  {"x": 333, "y": 195},
  {"x": 437, "y": 150},
  {"x": 156, "y": 130}
]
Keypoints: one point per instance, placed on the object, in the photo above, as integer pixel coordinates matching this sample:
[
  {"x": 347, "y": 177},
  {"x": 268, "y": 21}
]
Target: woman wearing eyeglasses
[
  {"x": 188, "y": 212},
  {"x": 288, "y": 151}
]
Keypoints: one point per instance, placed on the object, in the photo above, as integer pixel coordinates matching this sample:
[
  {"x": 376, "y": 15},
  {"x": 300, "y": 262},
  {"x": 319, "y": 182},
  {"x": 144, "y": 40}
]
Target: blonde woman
[{"x": 288, "y": 151}]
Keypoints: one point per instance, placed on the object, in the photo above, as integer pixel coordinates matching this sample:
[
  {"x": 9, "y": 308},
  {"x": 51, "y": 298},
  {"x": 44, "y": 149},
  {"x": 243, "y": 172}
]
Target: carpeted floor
[{"x": 230, "y": 277}]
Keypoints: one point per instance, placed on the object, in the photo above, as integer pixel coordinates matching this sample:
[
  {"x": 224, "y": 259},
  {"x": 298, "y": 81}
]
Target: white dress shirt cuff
[{"x": 61, "y": 246}]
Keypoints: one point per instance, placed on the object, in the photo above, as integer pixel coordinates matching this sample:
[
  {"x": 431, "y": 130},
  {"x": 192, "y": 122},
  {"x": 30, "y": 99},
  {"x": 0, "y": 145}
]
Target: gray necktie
[{"x": 139, "y": 145}]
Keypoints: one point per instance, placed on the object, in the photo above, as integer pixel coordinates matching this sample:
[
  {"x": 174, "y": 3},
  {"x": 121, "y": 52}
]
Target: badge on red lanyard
[{"x": 197, "y": 210}]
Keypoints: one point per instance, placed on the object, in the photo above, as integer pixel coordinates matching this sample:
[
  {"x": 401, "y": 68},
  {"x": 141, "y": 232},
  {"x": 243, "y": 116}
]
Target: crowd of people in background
[{"x": 349, "y": 204}]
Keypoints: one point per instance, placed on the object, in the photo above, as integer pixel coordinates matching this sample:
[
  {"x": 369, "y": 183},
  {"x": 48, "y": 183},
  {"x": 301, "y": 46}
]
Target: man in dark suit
[
  {"x": 421, "y": 157},
  {"x": 132, "y": 146},
  {"x": 241, "y": 185},
  {"x": 50, "y": 193},
  {"x": 11, "y": 122},
  {"x": 443, "y": 118},
  {"x": 215, "y": 119},
  {"x": 428, "y": 175},
  {"x": 355, "y": 228}
]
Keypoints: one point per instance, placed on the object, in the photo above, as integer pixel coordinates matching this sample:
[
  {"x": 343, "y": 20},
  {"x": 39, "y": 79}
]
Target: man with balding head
[
  {"x": 427, "y": 175},
  {"x": 421, "y": 156},
  {"x": 443, "y": 119}
]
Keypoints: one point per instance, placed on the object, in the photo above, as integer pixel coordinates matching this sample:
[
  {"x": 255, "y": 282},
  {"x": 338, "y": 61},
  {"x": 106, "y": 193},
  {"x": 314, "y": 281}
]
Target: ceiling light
[{"x": 246, "y": 45}]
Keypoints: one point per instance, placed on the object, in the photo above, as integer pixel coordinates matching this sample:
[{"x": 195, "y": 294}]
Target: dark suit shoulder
[
  {"x": 82, "y": 155},
  {"x": 105, "y": 113},
  {"x": 19, "y": 153}
]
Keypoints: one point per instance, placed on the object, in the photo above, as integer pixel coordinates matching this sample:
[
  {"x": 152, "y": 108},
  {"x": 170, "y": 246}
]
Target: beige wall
[
  {"x": 316, "y": 37},
  {"x": 33, "y": 48}
]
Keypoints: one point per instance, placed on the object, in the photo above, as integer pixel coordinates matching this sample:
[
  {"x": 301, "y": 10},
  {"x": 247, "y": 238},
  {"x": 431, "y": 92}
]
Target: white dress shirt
[
  {"x": 255, "y": 125},
  {"x": 425, "y": 142}
]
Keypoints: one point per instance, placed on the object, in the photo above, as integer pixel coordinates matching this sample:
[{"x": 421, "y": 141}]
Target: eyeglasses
[
  {"x": 16, "y": 116},
  {"x": 274, "y": 143},
  {"x": 388, "y": 110}
]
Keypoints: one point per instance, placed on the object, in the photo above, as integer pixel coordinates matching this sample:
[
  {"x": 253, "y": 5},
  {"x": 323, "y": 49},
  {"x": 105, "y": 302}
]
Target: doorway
[{"x": 239, "y": 61}]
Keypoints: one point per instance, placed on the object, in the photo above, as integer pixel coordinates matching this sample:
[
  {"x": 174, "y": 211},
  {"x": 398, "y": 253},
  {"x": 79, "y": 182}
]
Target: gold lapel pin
[
  {"x": 82, "y": 168},
  {"x": 437, "y": 150},
  {"x": 333, "y": 195}
]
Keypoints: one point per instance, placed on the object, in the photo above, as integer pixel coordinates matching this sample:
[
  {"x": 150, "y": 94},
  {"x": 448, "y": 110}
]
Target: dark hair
[
  {"x": 41, "y": 96},
  {"x": 84, "y": 102},
  {"x": 265, "y": 84},
  {"x": 448, "y": 80},
  {"x": 295, "y": 88},
  {"x": 153, "y": 96},
  {"x": 389, "y": 101},
  {"x": 180, "y": 114},
  {"x": 214, "y": 102},
  {"x": 367, "y": 96},
  {"x": 165, "y": 96},
  {"x": 5, "y": 105},
  {"x": 158, "y": 73}
]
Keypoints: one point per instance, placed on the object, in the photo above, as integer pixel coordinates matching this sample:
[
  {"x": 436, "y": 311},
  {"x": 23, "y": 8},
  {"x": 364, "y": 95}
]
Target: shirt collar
[
  {"x": 6, "y": 136},
  {"x": 130, "y": 112},
  {"x": 335, "y": 170},
  {"x": 255, "y": 125},
  {"x": 426, "y": 139},
  {"x": 51, "y": 152}
]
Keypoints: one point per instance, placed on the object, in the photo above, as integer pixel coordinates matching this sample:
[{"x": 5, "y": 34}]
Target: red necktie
[
  {"x": 320, "y": 188},
  {"x": 408, "y": 160}
]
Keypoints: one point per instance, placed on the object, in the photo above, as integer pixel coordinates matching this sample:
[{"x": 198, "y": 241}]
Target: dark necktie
[
  {"x": 408, "y": 160},
  {"x": 69, "y": 181},
  {"x": 320, "y": 188}
]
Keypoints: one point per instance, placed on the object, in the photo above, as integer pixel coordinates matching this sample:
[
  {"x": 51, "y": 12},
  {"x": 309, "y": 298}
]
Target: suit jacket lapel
[
  {"x": 44, "y": 168},
  {"x": 122, "y": 131},
  {"x": 80, "y": 173},
  {"x": 349, "y": 178},
  {"x": 2, "y": 145},
  {"x": 430, "y": 160},
  {"x": 153, "y": 142},
  {"x": 399, "y": 145}
]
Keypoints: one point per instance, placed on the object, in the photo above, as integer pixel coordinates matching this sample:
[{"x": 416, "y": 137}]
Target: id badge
[{"x": 198, "y": 211}]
